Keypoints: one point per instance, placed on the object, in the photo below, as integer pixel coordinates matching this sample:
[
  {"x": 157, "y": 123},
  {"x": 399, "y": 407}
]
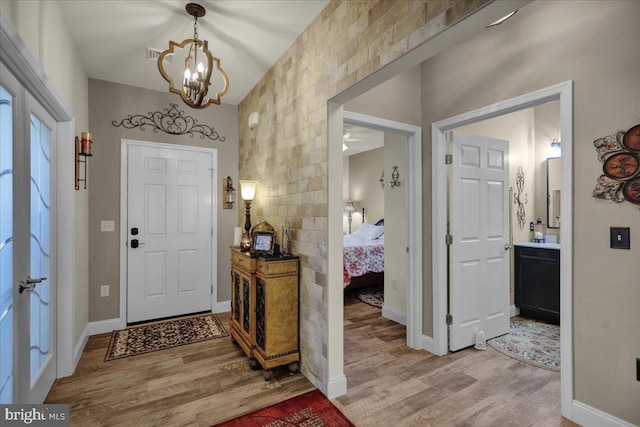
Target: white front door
[
  {"x": 169, "y": 228},
  {"x": 27, "y": 242},
  {"x": 479, "y": 259}
]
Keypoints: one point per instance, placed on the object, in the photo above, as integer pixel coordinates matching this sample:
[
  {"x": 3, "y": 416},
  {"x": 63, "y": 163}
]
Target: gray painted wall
[
  {"x": 112, "y": 101},
  {"x": 595, "y": 44}
]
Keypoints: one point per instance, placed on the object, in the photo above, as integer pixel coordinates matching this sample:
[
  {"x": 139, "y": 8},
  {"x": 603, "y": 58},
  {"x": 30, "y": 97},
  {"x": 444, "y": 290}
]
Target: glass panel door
[
  {"x": 6, "y": 246},
  {"x": 27, "y": 246},
  {"x": 40, "y": 247},
  {"x": 34, "y": 246}
]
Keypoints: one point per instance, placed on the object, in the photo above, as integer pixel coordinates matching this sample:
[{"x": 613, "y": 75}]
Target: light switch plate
[
  {"x": 620, "y": 238},
  {"x": 107, "y": 226}
]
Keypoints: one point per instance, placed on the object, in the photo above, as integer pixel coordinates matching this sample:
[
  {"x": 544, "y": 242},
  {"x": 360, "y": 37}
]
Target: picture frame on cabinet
[{"x": 263, "y": 243}]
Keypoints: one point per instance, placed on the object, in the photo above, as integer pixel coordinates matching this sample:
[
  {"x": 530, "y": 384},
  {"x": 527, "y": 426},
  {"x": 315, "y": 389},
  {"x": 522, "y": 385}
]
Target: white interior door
[
  {"x": 170, "y": 233},
  {"x": 27, "y": 242},
  {"x": 479, "y": 226}
]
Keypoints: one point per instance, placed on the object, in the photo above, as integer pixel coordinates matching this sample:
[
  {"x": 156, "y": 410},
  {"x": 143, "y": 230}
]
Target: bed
[{"x": 363, "y": 256}]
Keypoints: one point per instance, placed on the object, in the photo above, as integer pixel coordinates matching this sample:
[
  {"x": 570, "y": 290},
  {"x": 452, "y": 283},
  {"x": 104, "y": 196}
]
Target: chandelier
[{"x": 198, "y": 66}]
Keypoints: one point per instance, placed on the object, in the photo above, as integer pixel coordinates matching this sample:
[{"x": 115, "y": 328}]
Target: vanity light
[{"x": 555, "y": 150}]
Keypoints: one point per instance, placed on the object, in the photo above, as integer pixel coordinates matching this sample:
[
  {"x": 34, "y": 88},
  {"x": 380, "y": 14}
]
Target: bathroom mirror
[{"x": 554, "y": 184}]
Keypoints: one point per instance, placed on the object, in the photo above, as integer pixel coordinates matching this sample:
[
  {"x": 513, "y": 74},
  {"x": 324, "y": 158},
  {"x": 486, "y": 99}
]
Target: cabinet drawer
[
  {"x": 276, "y": 268},
  {"x": 243, "y": 261}
]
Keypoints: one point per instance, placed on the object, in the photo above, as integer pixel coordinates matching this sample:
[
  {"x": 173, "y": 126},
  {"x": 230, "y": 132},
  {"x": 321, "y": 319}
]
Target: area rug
[
  {"x": 372, "y": 295},
  {"x": 311, "y": 409},
  {"x": 163, "y": 334},
  {"x": 531, "y": 342}
]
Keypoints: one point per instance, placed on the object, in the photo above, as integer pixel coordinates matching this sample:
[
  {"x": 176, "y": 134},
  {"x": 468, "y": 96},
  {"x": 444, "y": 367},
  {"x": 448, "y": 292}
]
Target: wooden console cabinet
[{"x": 264, "y": 310}]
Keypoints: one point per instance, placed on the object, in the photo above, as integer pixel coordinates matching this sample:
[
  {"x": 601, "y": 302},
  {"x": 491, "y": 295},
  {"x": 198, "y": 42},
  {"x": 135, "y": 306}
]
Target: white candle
[{"x": 236, "y": 236}]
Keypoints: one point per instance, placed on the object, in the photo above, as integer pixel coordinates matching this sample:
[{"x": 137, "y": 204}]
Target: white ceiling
[{"x": 247, "y": 35}]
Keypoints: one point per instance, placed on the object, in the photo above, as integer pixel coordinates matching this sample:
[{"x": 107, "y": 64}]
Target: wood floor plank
[{"x": 388, "y": 383}]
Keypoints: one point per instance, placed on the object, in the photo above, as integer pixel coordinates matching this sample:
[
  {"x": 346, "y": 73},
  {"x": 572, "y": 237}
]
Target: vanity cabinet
[
  {"x": 264, "y": 310},
  {"x": 537, "y": 283}
]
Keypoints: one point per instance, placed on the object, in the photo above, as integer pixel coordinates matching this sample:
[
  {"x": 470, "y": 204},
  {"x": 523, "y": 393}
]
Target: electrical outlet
[
  {"x": 531, "y": 226},
  {"x": 104, "y": 291},
  {"x": 107, "y": 226}
]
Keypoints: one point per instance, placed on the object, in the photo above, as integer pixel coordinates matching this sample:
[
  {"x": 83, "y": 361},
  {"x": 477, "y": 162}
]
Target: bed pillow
[{"x": 368, "y": 231}]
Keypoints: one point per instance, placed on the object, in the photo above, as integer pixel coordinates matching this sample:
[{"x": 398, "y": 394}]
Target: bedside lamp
[
  {"x": 248, "y": 192},
  {"x": 350, "y": 209}
]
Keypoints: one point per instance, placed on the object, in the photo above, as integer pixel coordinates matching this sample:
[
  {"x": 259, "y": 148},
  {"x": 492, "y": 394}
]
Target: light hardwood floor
[{"x": 389, "y": 385}]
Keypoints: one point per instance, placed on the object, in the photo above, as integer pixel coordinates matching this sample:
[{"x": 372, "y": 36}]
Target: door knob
[
  {"x": 29, "y": 284},
  {"x": 135, "y": 243},
  {"x": 506, "y": 247}
]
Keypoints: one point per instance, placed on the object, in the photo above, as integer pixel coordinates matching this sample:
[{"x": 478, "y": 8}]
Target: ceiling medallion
[{"x": 198, "y": 66}]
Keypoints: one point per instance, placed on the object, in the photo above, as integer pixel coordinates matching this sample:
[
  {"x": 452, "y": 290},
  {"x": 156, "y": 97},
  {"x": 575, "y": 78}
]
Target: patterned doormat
[
  {"x": 372, "y": 295},
  {"x": 311, "y": 409},
  {"x": 531, "y": 342},
  {"x": 163, "y": 334}
]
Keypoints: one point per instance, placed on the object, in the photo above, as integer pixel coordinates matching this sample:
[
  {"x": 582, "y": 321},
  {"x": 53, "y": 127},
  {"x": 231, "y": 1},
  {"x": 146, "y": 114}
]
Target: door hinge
[
  {"x": 449, "y": 319},
  {"x": 212, "y": 289},
  {"x": 407, "y": 249},
  {"x": 448, "y": 239},
  {"x": 211, "y": 231},
  {"x": 448, "y": 159}
]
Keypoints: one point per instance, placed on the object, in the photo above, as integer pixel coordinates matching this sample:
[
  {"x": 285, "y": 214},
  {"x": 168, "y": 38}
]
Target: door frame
[
  {"x": 124, "y": 177},
  {"x": 17, "y": 58},
  {"x": 562, "y": 92},
  {"x": 337, "y": 382},
  {"x": 414, "y": 215}
]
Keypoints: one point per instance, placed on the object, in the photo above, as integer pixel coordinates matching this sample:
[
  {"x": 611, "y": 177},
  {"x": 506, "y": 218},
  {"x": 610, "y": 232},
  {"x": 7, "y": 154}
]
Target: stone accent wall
[{"x": 287, "y": 151}]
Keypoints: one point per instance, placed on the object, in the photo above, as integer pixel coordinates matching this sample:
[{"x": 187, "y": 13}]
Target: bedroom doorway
[{"x": 403, "y": 304}]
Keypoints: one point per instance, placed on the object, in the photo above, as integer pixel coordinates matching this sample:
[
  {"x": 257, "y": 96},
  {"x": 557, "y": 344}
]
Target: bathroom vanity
[{"x": 537, "y": 280}]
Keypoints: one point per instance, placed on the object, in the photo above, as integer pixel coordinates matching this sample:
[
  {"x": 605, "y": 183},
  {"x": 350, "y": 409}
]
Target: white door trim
[
  {"x": 124, "y": 144},
  {"x": 26, "y": 68},
  {"x": 564, "y": 93},
  {"x": 414, "y": 211}
]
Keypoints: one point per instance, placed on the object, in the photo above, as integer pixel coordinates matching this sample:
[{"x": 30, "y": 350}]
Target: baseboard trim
[
  {"x": 588, "y": 416},
  {"x": 79, "y": 348},
  {"x": 337, "y": 387},
  {"x": 514, "y": 311},
  {"x": 394, "y": 315},
  {"x": 105, "y": 326},
  {"x": 222, "y": 307},
  {"x": 427, "y": 344}
]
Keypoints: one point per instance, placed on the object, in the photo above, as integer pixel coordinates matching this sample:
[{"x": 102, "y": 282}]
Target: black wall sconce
[
  {"x": 82, "y": 151},
  {"x": 229, "y": 194},
  {"x": 395, "y": 175}
]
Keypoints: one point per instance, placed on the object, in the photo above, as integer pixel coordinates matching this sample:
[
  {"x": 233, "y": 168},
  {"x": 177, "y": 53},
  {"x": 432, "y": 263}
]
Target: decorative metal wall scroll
[
  {"x": 620, "y": 154},
  {"x": 520, "y": 198},
  {"x": 172, "y": 121},
  {"x": 395, "y": 182}
]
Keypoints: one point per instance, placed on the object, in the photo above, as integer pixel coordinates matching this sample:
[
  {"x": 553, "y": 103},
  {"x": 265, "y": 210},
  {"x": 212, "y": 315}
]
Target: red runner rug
[{"x": 311, "y": 409}]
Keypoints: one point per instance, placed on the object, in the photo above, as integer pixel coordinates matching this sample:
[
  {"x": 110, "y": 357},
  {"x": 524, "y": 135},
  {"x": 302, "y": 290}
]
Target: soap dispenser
[{"x": 539, "y": 231}]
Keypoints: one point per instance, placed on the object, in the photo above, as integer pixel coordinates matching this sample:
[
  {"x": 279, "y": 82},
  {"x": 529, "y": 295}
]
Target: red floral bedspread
[{"x": 361, "y": 256}]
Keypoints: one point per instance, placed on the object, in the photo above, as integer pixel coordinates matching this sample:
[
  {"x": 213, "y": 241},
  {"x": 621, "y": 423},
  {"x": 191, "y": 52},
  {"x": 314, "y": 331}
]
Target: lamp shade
[
  {"x": 248, "y": 189},
  {"x": 349, "y": 207}
]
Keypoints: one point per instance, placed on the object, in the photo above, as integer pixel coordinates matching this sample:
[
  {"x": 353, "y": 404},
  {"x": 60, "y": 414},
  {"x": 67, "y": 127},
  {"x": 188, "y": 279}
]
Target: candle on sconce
[{"x": 85, "y": 142}]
